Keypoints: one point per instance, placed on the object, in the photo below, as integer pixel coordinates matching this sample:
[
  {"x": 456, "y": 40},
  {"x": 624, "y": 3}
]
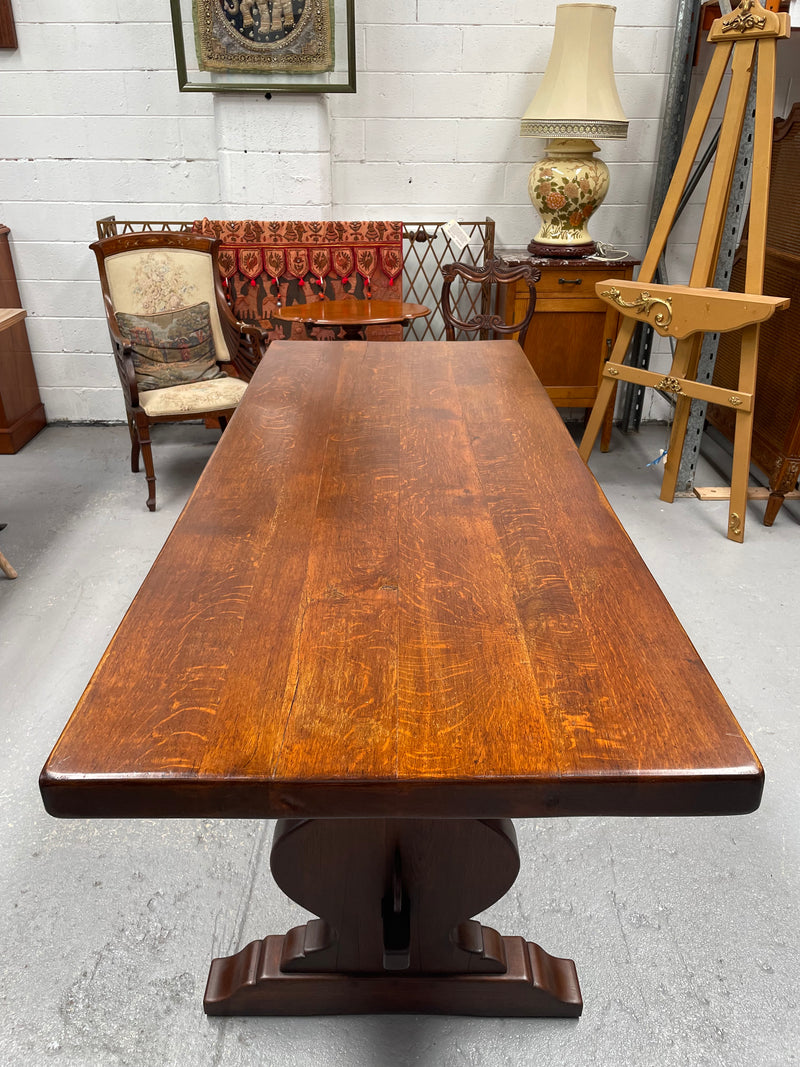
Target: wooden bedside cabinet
[{"x": 572, "y": 331}]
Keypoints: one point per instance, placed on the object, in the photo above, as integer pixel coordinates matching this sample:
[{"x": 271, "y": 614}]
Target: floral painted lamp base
[{"x": 566, "y": 188}]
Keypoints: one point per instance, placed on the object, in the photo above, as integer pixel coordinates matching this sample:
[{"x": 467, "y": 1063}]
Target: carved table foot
[
  {"x": 252, "y": 983},
  {"x": 395, "y": 896}
]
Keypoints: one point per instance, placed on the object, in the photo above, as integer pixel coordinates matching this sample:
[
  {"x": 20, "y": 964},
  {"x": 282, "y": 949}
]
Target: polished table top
[
  {"x": 352, "y": 312},
  {"x": 397, "y": 590}
]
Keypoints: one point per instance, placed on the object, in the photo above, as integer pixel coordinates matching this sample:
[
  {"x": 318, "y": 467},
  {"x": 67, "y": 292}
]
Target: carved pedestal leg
[
  {"x": 353, "y": 332},
  {"x": 395, "y": 897}
]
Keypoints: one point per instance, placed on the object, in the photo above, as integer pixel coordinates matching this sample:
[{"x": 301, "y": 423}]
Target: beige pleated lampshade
[{"x": 578, "y": 95}]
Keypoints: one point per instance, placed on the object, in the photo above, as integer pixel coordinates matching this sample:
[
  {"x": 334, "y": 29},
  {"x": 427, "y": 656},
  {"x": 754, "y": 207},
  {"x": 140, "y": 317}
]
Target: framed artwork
[{"x": 268, "y": 46}]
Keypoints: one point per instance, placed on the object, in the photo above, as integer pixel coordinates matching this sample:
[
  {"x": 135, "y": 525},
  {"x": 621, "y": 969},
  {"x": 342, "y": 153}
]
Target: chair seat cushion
[
  {"x": 172, "y": 347},
  {"x": 195, "y": 398}
]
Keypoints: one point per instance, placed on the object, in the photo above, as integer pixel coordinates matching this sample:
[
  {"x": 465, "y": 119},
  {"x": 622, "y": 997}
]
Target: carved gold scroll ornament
[
  {"x": 743, "y": 19},
  {"x": 643, "y": 305}
]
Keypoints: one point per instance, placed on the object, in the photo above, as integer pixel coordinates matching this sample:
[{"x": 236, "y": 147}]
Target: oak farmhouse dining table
[{"x": 397, "y": 613}]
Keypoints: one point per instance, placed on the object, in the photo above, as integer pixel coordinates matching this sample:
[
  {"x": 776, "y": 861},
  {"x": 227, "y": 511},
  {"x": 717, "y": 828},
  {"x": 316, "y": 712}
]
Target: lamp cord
[{"x": 608, "y": 252}]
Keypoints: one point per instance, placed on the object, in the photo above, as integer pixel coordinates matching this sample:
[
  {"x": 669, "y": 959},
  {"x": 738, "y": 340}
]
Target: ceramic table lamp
[{"x": 576, "y": 102}]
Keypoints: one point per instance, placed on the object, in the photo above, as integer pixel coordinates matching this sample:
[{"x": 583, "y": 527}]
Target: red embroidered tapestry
[{"x": 266, "y": 265}]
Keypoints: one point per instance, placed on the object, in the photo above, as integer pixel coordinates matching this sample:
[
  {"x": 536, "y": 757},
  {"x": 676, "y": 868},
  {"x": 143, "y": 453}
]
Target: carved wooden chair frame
[{"x": 493, "y": 272}]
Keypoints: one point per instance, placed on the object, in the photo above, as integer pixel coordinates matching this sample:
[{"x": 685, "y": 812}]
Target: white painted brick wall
[
  {"x": 434, "y": 129},
  {"x": 93, "y": 124}
]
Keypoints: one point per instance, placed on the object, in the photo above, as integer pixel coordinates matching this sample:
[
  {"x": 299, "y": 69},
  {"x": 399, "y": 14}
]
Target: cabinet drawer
[
  {"x": 568, "y": 283},
  {"x": 573, "y": 302}
]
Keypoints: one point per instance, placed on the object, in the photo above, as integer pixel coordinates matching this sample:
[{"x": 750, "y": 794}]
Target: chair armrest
[
  {"x": 123, "y": 354},
  {"x": 247, "y": 342},
  {"x": 253, "y": 342}
]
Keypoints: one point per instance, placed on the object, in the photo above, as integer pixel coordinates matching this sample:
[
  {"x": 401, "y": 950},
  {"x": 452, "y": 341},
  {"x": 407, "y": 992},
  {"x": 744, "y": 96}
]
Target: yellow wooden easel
[{"x": 746, "y": 37}]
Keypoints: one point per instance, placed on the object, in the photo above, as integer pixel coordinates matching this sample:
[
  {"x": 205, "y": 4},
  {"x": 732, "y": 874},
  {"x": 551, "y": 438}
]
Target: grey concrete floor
[{"x": 684, "y": 930}]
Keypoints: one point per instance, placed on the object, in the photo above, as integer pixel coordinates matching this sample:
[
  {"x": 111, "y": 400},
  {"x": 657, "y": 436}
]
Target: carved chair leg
[
  {"x": 783, "y": 481},
  {"x": 774, "y": 505},
  {"x": 134, "y": 444},
  {"x": 143, "y": 434}
]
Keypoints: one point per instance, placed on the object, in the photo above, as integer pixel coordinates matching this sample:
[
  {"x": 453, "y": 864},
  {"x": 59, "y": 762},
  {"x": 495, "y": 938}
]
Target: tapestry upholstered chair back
[{"x": 154, "y": 280}]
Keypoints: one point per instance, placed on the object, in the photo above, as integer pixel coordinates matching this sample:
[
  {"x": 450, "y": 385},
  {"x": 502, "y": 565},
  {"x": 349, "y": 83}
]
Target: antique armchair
[
  {"x": 180, "y": 352},
  {"x": 480, "y": 304}
]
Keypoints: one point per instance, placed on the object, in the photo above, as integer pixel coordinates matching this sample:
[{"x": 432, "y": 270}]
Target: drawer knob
[{"x": 570, "y": 281}]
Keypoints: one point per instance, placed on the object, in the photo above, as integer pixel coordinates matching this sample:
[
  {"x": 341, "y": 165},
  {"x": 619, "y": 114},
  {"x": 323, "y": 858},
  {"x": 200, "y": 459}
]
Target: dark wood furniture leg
[
  {"x": 354, "y": 332},
  {"x": 350, "y": 331},
  {"x": 143, "y": 433},
  {"x": 134, "y": 445},
  {"x": 783, "y": 480},
  {"x": 395, "y": 897}
]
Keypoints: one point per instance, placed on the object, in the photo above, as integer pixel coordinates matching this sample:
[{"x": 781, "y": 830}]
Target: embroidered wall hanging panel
[
  {"x": 264, "y": 36},
  {"x": 264, "y": 46},
  {"x": 267, "y": 265}
]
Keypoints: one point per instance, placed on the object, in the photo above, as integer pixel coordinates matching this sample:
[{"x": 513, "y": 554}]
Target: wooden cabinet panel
[
  {"x": 572, "y": 331},
  {"x": 21, "y": 408}
]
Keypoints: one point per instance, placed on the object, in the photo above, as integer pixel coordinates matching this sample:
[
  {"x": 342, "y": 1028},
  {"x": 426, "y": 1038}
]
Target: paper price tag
[{"x": 457, "y": 234}]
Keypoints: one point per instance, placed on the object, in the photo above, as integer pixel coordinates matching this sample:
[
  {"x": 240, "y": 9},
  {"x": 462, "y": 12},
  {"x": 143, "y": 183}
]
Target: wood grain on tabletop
[{"x": 396, "y": 590}]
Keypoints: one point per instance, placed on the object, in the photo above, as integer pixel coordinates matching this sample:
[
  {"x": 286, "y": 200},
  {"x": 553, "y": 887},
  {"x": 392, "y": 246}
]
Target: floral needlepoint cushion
[{"x": 171, "y": 348}]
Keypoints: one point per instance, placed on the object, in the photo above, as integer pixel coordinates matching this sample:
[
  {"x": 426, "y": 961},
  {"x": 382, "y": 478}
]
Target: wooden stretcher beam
[
  {"x": 754, "y": 492},
  {"x": 670, "y": 383}
]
